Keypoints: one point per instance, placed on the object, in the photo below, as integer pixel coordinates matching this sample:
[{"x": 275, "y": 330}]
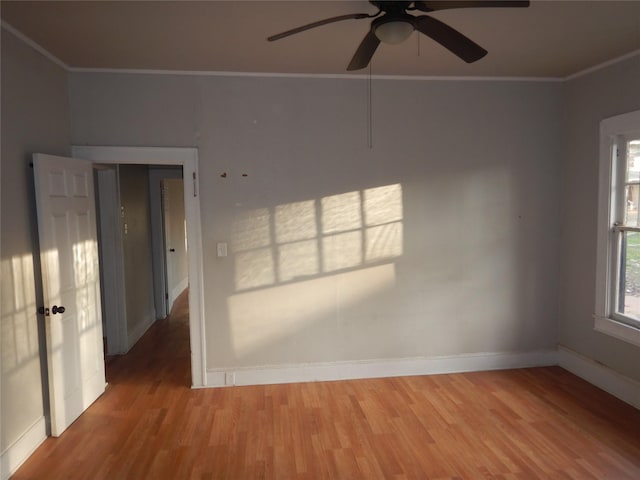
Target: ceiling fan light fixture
[
  {"x": 392, "y": 24},
  {"x": 393, "y": 30}
]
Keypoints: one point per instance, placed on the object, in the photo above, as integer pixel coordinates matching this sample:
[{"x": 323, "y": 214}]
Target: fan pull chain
[{"x": 369, "y": 112}]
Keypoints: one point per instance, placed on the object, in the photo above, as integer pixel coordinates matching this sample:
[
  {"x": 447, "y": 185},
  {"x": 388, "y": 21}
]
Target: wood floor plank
[{"x": 539, "y": 423}]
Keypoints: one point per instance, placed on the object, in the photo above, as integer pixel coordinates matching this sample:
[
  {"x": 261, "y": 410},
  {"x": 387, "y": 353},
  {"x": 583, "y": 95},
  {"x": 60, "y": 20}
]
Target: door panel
[{"x": 70, "y": 276}]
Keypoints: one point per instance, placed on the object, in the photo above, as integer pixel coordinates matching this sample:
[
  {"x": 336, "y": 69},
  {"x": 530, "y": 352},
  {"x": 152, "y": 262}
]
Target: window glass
[
  {"x": 627, "y": 285},
  {"x": 632, "y": 183},
  {"x": 629, "y": 297}
]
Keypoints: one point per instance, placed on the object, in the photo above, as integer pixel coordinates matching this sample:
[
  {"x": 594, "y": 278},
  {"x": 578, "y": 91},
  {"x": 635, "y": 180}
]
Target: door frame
[
  {"x": 111, "y": 272},
  {"x": 188, "y": 159}
]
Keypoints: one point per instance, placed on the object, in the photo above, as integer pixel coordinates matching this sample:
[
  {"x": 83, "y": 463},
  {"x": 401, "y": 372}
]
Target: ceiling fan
[{"x": 392, "y": 24}]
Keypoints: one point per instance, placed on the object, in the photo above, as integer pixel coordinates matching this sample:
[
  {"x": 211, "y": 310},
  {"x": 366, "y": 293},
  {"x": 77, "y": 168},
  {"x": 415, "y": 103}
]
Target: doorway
[
  {"x": 143, "y": 256},
  {"x": 187, "y": 159}
]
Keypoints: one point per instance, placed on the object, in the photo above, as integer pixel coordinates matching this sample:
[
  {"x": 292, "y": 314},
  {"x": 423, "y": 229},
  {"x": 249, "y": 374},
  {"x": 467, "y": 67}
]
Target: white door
[
  {"x": 69, "y": 257},
  {"x": 175, "y": 238}
]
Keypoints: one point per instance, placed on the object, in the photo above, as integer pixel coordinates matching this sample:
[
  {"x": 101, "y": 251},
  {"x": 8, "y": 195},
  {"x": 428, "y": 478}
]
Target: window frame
[{"x": 611, "y": 203}]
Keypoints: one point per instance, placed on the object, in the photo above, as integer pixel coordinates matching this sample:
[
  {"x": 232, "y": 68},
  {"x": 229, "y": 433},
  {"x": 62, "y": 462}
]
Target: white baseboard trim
[
  {"x": 136, "y": 334},
  {"x": 15, "y": 455},
  {"x": 624, "y": 388},
  {"x": 316, "y": 372},
  {"x": 178, "y": 289}
]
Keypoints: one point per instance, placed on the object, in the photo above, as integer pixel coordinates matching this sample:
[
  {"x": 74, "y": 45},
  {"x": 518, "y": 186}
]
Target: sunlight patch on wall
[
  {"x": 383, "y": 218},
  {"x": 295, "y": 221},
  {"x": 296, "y": 230},
  {"x": 251, "y": 230},
  {"x": 19, "y": 327},
  {"x": 254, "y": 268},
  {"x": 264, "y": 316},
  {"x": 383, "y": 241},
  {"x": 341, "y": 212},
  {"x": 383, "y": 204},
  {"x": 251, "y": 238},
  {"x": 301, "y": 240},
  {"x": 342, "y": 250},
  {"x": 298, "y": 259}
]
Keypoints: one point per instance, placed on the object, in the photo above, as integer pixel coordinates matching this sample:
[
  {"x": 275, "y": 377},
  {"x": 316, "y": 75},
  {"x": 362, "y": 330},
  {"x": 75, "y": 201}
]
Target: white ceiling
[{"x": 548, "y": 39}]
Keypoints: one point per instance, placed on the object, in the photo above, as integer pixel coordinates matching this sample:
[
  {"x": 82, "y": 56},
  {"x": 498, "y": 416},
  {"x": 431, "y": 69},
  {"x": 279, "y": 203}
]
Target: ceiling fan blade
[
  {"x": 432, "y": 6},
  {"x": 451, "y": 39},
  {"x": 319, "y": 23},
  {"x": 365, "y": 51}
]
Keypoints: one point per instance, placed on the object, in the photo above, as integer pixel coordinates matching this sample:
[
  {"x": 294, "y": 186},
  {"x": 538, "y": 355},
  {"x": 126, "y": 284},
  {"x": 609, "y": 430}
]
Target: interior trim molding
[
  {"x": 602, "y": 65},
  {"x": 616, "y": 329},
  {"x": 401, "y": 367},
  {"x": 37, "y": 47},
  {"x": 137, "y": 333},
  {"x": 178, "y": 289},
  {"x": 18, "y": 452},
  {"x": 338, "y": 76},
  {"x": 620, "y": 386}
]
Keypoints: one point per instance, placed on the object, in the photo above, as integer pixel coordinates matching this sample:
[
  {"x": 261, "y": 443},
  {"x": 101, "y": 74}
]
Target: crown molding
[
  {"x": 37, "y": 47},
  {"x": 338, "y": 76},
  {"x": 602, "y": 65},
  {"x": 445, "y": 78}
]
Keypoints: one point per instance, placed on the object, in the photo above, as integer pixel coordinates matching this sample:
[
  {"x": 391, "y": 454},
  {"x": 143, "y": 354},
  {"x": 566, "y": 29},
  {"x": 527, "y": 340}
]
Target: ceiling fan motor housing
[
  {"x": 393, "y": 28},
  {"x": 391, "y": 6}
]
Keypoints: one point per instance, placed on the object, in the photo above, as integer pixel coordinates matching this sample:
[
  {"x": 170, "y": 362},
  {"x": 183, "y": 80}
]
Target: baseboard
[
  {"x": 21, "y": 449},
  {"x": 136, "y": 334},
  {"x": 178, "y": 289},
  {"x": 603, "y": 377},
  {"x": 315, "y": 372}
]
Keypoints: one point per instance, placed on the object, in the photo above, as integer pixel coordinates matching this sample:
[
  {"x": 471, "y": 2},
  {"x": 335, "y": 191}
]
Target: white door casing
[
  {"x": 188, "y": 159},
  {"x": 70, "y": 274}
]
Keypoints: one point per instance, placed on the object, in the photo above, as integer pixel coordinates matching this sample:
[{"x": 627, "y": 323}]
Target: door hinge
[
  {"x": 166, "y": 296},
  {"x": 195, "y": 185}
]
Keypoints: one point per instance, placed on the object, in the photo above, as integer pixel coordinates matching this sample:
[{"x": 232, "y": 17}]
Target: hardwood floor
[{"x": 541, "y": 423}]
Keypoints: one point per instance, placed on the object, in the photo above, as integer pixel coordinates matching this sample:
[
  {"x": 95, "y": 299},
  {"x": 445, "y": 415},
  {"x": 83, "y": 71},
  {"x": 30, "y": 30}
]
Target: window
[{"x": 618, "y": 261}]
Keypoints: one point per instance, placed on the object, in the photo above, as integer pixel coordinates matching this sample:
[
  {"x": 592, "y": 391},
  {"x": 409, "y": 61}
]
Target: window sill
[{"x": 616, "y": 329}]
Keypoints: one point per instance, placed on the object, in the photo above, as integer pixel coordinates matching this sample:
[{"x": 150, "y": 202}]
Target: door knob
[{"x": 55, "y": 309}]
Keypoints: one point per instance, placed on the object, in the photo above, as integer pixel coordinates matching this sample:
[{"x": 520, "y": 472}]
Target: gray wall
[
  {"x": 590, "y": 99},
  {"x": 136, "y": 249},
  {"x": 441, "y": 239},
  {"x": 35, "y": 118}
]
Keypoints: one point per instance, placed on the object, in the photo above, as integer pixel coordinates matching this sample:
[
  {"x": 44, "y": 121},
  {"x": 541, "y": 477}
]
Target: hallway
[{"x": 161, "y": 356}]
